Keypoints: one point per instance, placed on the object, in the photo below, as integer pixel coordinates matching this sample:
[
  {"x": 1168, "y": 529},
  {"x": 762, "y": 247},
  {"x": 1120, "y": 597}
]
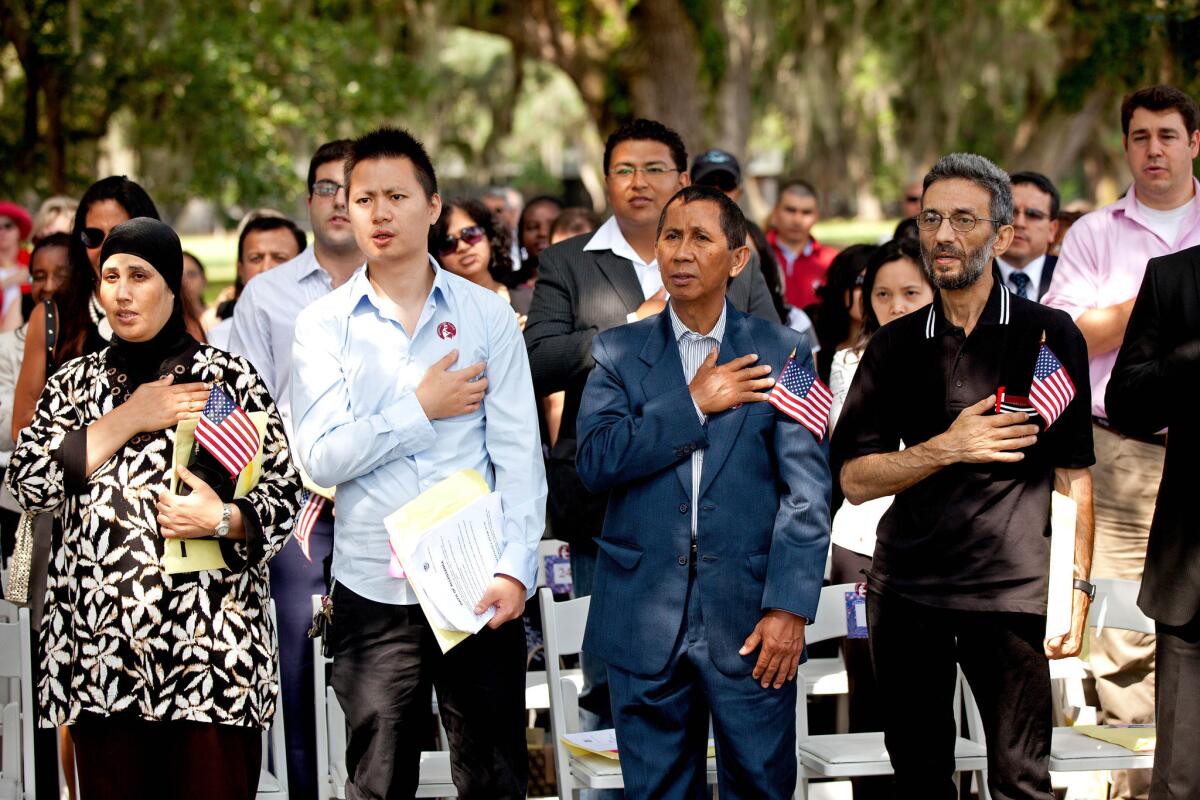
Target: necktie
[{"x": 1020, "y": 282}]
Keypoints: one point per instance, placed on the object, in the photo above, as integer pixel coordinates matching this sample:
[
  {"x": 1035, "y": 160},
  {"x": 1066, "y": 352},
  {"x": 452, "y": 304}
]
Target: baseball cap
[{"x": 710, "y": 164}]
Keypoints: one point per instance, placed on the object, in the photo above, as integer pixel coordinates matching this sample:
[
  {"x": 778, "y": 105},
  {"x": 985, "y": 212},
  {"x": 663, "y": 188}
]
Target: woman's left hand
[{"x": 192, "y": 515}]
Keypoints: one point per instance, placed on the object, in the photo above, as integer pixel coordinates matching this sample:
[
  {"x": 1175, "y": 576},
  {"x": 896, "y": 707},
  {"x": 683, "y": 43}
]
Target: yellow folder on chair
[{"x": 198, "y": 555}]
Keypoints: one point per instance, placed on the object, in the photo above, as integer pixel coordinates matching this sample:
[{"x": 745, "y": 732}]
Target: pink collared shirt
[{"x": 1102, "y": 262}]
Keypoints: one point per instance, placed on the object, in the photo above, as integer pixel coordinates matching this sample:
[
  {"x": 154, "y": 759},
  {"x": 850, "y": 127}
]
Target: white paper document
[
  {"x": 1060, "y": 589},
  {"x": 457, "y": 560}
]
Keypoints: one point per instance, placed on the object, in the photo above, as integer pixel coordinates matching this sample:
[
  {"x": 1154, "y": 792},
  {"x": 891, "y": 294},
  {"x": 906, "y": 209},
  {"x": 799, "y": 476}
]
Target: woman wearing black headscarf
[{"x": 166, "y": 679}]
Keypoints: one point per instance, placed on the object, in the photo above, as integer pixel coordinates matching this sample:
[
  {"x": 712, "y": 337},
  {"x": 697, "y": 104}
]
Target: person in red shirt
[{"x": 802, "y": 258}]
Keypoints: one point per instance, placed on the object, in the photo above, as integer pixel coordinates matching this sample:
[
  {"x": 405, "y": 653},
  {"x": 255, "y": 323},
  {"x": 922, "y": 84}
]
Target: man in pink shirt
[{"x": 1099, "y": 271}]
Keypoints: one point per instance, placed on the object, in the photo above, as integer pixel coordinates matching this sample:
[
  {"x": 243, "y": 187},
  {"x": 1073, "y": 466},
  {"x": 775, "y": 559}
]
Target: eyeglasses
[
  {"x": 1031, "y": 214},
  {"x": 92, "y": 238},
  {"x": 651, "y": 171},
  {"x": 960, "y": 221},
  {"x": 326, "y": 188},
  {"x": 471, "y": 236}
]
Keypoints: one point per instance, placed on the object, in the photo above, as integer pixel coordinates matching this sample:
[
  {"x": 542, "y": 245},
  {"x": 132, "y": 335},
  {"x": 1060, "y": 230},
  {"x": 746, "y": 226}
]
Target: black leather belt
[{"x": 1158, "y": 439}]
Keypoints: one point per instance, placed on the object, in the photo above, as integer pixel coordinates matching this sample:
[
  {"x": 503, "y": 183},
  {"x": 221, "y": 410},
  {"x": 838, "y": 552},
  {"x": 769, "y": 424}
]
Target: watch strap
[{"x": 1086, "y": 587}]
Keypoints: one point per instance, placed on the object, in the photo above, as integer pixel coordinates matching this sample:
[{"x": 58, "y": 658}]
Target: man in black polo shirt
[{"x": 959, "y": 572}]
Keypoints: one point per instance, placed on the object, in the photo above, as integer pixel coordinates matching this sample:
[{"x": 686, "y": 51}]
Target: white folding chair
[
  {"x": 273, "y": 779},
  {"x": 853, "y": 755},
  {"x": 1115, "y": 606},
  {"x": 16, "y": 758},
  {"x": 562, "y": 625},
  {"x": 435, "y": 779}
]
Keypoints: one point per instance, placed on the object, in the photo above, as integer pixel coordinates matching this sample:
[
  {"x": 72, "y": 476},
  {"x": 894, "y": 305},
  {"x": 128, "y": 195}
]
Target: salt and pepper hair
[{"x": 981, "y": 172}]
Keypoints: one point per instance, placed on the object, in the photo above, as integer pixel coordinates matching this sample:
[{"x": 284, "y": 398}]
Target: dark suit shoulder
[
  {"x": 622, "y": 336},
  {"x": 568, "y": 251},
  {"x": 1053, "y": 320},
  {"x": 770, "y": 334},
  {"x": 1181, "y": 258}
]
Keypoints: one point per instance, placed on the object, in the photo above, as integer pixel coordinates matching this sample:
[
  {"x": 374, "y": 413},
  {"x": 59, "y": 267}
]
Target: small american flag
[
  {"x": 226, "y": 431},
  {"x": 1052, "y": 388},
  {"x": 309, "y": 513},
  {"x": 801, "y": 395}
]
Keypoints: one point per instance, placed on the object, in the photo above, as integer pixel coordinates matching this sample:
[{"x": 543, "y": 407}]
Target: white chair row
[{"x": 837, "y": 755}]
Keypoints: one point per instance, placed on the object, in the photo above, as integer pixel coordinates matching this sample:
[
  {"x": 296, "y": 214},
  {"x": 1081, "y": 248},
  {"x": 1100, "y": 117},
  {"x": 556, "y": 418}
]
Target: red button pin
[{"x": 446, "y": 330}]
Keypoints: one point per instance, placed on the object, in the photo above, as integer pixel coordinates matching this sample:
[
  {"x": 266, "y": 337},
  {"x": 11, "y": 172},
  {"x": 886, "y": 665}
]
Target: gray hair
[{"x": 981, "y": 172}]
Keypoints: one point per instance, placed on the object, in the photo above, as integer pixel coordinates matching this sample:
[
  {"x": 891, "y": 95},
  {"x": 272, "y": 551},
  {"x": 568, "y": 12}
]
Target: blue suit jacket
[{"x": 763, "y": 522}]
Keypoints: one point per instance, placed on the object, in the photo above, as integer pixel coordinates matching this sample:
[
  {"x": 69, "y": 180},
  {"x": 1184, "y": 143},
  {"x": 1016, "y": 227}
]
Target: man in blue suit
[{"x": 717, "y": 527}]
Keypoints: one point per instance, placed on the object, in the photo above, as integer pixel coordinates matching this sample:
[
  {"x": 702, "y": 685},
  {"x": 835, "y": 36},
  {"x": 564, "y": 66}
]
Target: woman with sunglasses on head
[
  {"x": 81, "y": 326},
  {"x": 467, "y": 241},
  {"x": 167, "y": 678}
]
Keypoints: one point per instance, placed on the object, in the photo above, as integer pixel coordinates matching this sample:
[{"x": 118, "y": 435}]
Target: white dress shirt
[
  {"x": 609, "y": 237},
  {"x": 1033, "y": 271}
]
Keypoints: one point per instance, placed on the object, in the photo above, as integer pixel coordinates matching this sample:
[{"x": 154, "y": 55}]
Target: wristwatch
[
  {"x": 1087, "y": 588},
  {"x": 222, "y": 529}
]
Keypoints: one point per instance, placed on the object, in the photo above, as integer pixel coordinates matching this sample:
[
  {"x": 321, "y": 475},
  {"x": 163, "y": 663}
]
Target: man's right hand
[
  {"x": 975, "y": 438},
  {"x": 443, "y": 392},
  {"x": 716, "y": 388},
  {"x": 652, "y": 305}
]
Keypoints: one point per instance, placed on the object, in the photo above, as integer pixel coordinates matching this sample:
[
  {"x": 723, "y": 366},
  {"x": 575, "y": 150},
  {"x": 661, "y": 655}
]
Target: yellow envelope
[
  {"x": 202, "y": 554},
  {"x": 407, "y": 523},
  {"x": 1138, "y": 738}
]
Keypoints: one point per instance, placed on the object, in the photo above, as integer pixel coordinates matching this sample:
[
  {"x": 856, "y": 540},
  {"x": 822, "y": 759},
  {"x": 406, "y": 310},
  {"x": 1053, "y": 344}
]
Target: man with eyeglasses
[
  {"x": 1025, "y": 266},
  {"x": 959, "y": 571},
  {"x": 588, "y": 284},
  {"x": 1100, "y": 268},
  {"x": 264, "y": 324}
]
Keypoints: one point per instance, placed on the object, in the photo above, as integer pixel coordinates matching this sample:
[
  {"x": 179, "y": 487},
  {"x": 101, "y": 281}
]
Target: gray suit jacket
[{"x": 578, "y": 294}]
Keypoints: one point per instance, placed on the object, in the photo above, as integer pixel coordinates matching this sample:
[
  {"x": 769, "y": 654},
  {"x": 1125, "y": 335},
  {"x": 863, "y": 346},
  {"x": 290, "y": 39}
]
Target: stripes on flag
[
  {"x": 310, "y": 511},
  {"x": 226, "y": 430},
  {"x": 1006, "y": 402},
  {"x": 801, "y": 395},
  {"x": 1052, "y": 388}
]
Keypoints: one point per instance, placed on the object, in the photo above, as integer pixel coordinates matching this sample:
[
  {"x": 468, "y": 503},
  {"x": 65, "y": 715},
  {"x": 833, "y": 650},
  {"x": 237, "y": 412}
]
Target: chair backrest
[
  {"x": 274, "y": 745},
  {"x": 1116, "y": 606},
  {"x": 16, "y": 769},
  {"x": 831, "y": 614},
  {"x": 562, "y": 626}
]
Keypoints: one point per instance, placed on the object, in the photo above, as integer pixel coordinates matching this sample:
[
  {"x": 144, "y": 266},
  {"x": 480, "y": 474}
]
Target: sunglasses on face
[
  {"x": 92, "y": 238},
  {"x": 471, "y": 236}
]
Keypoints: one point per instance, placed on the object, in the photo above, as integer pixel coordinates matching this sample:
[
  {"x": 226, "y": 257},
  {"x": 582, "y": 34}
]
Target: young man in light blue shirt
[{"x": 401, "y": 377}]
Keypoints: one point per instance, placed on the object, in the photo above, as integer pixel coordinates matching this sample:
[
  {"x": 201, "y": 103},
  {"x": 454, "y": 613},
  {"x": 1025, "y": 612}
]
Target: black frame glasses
[{"x": 326, "y": 188}]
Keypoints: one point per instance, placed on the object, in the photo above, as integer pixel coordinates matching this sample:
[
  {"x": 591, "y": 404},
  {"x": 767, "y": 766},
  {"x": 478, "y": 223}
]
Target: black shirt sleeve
[{"x": 868, "y": 422}]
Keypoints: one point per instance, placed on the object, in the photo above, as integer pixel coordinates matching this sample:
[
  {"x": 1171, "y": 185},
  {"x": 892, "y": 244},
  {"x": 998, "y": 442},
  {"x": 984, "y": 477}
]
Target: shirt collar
[
  {"x": 681, "y": 330},
  {"x": 1128, "y": 206},
  {"x": 995, "y": 312},
  {"x": 307, "y": 262},
  {"x": 1033, "y": 269},
  {"x": 609, "y": 237},
  {"x": 360, "y": 287}
]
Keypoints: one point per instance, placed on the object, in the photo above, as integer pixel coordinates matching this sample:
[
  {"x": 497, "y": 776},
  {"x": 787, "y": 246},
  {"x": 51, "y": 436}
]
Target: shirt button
[
  {"x": 682, "y": 560},
  {"x": 683, "y": 508},
  {"x": 958, "y": 384}
]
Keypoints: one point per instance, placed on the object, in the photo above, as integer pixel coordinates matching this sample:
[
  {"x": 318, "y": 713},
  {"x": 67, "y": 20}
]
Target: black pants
[
  {"x": 386, "y": 661},
  {"x": 1177, "y": 709},
  {"x": 915, "y": 649},
  {"x": 124, "y": 757}
]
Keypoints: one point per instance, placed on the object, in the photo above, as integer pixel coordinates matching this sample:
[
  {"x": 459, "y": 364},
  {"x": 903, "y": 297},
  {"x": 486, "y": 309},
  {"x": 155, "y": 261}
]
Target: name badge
[
  {"x": 558, "y": 571},
  {"x": 856, "y": 612}
]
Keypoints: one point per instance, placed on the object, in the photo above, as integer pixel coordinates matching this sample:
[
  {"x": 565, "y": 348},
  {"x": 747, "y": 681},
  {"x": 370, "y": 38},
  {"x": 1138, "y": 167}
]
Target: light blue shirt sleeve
[
  {"x": 513, "y": 444},
  {"x": 250, "y": 336},
  {"x": 334, "y": 445}
]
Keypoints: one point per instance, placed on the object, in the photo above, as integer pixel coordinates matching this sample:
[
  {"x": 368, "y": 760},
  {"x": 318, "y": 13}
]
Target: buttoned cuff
[
  {"x": 406, "y": 419},
  {"x": 516, "y": 561},
  {"x": 631, "y": 316}
]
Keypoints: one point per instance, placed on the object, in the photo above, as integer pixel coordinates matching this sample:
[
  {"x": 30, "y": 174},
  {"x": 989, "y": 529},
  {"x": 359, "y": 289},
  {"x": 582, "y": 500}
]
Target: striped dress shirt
[{"x": 693, "y": 349}]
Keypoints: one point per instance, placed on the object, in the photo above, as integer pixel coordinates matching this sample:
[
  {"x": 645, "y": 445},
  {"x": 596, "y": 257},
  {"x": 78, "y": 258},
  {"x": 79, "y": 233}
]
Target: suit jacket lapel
[
  {"x": 723, "y": 428},
  {"x": 620, "y": 273},
  {"x": 661, "y": 352},
  {"x": 1047, "y": 276}
]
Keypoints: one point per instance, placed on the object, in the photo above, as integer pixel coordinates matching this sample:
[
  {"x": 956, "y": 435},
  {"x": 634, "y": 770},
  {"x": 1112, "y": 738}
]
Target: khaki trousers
[{"x": 1124, "y": 488}]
